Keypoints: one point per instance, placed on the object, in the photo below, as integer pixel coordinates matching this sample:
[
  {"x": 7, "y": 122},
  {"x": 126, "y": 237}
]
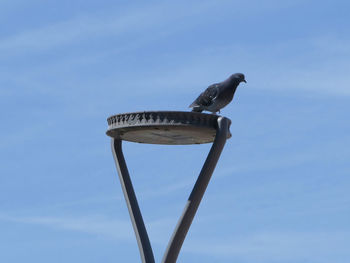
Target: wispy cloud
[
  {"x": 320, "y": 69},
  {"x": 96, "y": 225},
  {"x": 159, "y": 18},
  {"x": 277, "y": 247},
  {"x": 316, "y": 70},
  {"x": 88, "y": 26},
  {"x": 74, "y": 30}
]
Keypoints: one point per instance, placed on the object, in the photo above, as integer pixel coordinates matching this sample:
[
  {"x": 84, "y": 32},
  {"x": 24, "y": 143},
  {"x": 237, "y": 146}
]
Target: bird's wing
[{"x": 207, "y": 97}]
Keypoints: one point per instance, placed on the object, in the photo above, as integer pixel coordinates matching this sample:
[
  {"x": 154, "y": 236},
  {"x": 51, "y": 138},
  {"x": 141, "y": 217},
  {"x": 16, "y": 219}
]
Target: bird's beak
[{"x": 244, "y": 81}]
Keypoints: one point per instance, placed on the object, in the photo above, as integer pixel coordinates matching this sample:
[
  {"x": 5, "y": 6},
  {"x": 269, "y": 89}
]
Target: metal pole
[
  {"x": 197, "y": 193},
  {"x": 131, "y": 201}
]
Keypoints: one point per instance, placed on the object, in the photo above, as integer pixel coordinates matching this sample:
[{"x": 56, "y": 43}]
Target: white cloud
[
  {"x": 165, "y": 17},
  {"x": 96, "y": 225},
  {"x": 320, "y": 153},
  {"x": 86, "y": 27},
  {"x": 263, "y": 65},
  {"x": 276, "y": 247}
]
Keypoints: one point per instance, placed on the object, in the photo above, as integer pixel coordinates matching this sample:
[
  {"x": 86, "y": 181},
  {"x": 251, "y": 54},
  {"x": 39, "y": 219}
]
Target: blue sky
[{"x": 280, "y": 192}]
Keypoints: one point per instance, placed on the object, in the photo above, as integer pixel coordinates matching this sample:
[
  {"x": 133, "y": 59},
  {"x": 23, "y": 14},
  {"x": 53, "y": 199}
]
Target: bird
[{"x": 218, "y": 95}]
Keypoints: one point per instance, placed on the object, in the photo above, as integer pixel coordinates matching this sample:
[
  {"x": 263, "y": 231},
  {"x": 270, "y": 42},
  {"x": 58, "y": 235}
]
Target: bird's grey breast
[{"x": 225, "y": 96}]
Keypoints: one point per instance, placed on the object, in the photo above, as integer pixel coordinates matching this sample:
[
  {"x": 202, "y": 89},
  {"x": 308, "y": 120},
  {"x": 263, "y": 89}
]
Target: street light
[{"x": 171, "y": 128}]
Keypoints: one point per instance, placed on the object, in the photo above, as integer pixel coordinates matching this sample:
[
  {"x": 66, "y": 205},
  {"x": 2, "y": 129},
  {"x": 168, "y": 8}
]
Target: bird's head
[{"x": 238, "y": 77}]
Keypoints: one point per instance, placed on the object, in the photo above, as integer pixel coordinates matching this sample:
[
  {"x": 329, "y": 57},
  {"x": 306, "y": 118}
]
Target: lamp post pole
[
  {"x": 131, "y": 201},
  {"x": 192, "y": 204}
]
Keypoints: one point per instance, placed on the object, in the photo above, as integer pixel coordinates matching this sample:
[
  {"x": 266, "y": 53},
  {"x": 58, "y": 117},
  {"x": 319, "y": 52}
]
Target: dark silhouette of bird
[{"x": 218, "y": 95}]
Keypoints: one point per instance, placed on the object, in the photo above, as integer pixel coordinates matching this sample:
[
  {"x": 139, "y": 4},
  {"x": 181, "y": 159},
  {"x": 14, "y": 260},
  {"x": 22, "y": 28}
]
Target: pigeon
[{"x": 218, "y": 95}]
